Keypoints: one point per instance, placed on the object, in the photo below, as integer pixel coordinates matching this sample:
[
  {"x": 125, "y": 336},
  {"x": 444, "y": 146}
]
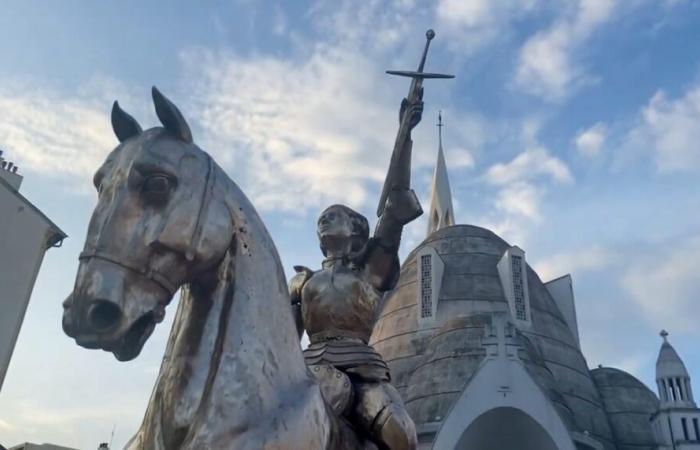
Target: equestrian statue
[{"x": 169, "y": 218}]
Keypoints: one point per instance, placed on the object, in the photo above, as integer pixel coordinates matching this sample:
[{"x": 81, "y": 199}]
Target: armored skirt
[{"x": 351, "y": 355}]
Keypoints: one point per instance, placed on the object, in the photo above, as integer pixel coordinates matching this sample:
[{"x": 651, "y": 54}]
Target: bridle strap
[
  {"x": 148, "y": 273},
  {"x": 204, "y": 206}
]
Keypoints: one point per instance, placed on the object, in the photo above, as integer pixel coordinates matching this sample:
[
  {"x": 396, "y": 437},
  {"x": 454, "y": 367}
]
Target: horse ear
[
  {"x": 123, "y": 124},
  {"x": 171, "y": 117}
]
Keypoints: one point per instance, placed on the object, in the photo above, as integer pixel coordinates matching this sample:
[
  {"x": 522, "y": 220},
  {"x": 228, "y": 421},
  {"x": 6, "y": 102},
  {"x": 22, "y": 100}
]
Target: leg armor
[{"x": 381, "y": 413}]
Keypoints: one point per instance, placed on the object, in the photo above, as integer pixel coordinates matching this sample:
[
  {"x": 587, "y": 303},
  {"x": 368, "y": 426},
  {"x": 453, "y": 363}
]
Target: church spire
[{"x": 441, "y": 212}]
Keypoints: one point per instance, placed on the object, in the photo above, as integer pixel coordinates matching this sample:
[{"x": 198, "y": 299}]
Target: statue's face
[{"x": 334, "y": 223}]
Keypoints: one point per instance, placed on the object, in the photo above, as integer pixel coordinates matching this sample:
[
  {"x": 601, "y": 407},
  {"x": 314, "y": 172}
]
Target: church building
[{"x": 487, "y": 356}]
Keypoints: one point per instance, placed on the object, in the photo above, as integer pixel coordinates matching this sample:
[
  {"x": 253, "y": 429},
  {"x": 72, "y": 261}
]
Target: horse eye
[{"x": 156, "y": 188}]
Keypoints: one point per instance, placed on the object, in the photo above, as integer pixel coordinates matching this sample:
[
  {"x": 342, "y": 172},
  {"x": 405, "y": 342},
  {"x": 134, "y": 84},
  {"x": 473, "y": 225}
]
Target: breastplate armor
[
  {"x": 338, "y": 308},
  {"x": 338, "y": 300}
]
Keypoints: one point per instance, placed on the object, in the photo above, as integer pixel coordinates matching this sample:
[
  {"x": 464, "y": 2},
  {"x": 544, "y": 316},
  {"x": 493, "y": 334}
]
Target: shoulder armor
[{"x": 296, "y": 284}]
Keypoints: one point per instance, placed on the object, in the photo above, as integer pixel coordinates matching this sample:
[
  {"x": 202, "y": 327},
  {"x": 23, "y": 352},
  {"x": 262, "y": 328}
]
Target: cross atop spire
[
  {"x": 664, "y": 335},
  {"x": 441, "y": 212}
]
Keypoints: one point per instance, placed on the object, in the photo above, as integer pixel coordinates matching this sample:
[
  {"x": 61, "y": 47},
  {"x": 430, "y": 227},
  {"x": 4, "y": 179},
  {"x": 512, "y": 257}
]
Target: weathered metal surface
[
  {"x": 629, "y": 405},
  {"x": 336, "y": 387},
  {"x": 168, "y": 216}
]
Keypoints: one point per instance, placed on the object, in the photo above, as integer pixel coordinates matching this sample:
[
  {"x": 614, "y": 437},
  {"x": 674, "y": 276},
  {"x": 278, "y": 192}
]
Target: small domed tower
[{"x": 677, "y": 422}]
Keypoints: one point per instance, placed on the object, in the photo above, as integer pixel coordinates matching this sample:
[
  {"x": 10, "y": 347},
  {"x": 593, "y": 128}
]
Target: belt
[{"x": 334, "y": 335}]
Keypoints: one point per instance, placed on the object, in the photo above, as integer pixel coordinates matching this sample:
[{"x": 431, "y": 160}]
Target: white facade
[
  {"x": 677, "y": 423},
  {"x": 503, "y": 392},
  {"x": 562, "y": 291},
  {"x": 512, "y": 270},
  {"x": 25, "y": 234}
]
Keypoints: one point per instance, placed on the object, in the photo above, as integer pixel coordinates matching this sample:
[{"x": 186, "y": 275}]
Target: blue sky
[{"x": 572, "y": 130}]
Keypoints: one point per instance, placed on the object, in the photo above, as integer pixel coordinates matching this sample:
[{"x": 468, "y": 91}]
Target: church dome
[
  {"x": 432, "y": 363},
  {"x": 629, "y": 405}
]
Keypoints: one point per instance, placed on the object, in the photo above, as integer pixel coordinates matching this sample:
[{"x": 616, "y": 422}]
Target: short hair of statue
[{"x": 360, "y": 227}]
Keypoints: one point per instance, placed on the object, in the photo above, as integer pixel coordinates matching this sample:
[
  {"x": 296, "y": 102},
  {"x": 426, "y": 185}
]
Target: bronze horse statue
[{"x": 168, "y": 217}]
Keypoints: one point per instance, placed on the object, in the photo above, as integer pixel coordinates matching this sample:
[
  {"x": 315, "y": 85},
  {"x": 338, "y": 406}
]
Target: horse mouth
[{"x": 130, "y": 345}]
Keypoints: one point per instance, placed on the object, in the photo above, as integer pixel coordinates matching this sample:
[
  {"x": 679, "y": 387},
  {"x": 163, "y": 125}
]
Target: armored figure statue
[{"x": 337, "y": 305}]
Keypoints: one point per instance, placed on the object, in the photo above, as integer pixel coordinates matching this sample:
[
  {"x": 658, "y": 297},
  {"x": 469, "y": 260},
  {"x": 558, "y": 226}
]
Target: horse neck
[
  {"x": 234, "y": 350},
  {"x": 260, "y": 318}
]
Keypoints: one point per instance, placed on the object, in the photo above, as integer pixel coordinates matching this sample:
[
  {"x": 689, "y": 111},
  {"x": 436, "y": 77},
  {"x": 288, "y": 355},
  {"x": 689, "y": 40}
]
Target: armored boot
[{"x": 381, "y": 413}]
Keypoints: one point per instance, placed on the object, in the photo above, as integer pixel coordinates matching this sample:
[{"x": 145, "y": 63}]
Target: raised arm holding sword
[{"x": 337, "y": 304}]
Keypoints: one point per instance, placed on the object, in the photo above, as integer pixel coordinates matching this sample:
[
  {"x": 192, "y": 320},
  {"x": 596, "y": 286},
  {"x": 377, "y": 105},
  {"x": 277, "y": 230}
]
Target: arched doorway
[{"x": 505, "y": 428}]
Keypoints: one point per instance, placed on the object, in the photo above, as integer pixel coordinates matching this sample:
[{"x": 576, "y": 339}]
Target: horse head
[{"x": 156, "y": 226}]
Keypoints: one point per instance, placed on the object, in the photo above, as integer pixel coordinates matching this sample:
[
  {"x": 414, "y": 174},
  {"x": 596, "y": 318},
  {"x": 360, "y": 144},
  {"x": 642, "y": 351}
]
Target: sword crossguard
[{"x": 419, "y": 75}]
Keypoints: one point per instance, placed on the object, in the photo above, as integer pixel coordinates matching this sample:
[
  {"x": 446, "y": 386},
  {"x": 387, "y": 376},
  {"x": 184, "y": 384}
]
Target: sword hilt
[{"x": 430, "y": 34}]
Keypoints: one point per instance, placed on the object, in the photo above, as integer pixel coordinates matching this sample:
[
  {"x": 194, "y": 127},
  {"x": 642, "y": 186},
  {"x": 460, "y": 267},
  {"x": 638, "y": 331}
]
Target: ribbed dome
[
  {"x": 629, "y": 405},
  {"x": 431, "y": 365}
]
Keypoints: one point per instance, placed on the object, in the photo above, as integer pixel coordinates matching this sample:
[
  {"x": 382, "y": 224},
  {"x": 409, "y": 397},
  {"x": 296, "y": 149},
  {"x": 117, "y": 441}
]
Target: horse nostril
[{"x": 103, "y": 315}]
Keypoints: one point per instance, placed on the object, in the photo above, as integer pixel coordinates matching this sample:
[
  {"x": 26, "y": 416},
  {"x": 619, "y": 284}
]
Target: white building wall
[
  {"x": 562, "y": 291},
  {"x": 515, "y": 286},
  {"x": 501, "y": 383},
  {"x": 24, "y": 234},
  {"x": 668, "y": 428}
]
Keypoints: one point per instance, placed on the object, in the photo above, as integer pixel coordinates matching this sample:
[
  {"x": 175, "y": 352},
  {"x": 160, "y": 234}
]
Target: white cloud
[
  {"x": 671, "y": 127},
  {"x": 520, "y": 198},
  {"x": 467, "y": 14},
  {"x": 590, "y": 142},
  {"x": 587, "y": 259},
  {"x": 665, "y": 286},
  {"x": 296, "y": 134},
  {"x": 59, "y": 135},
  {"x": 532, "y": 163},
  {"x": 457, "y": 158},
  {"x": 296, "y": 131},
  {"x": 473, "y": 24},
  {"x": 279, "y": 26},
  {"x": 522, "y": 185},
  {"x": 367, "y": 26},
  {"x": 548, "y": 64}
]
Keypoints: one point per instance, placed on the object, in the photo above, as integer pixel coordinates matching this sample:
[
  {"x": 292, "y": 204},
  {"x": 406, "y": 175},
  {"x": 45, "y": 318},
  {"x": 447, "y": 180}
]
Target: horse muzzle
[{"x": 113, "y": 309}]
